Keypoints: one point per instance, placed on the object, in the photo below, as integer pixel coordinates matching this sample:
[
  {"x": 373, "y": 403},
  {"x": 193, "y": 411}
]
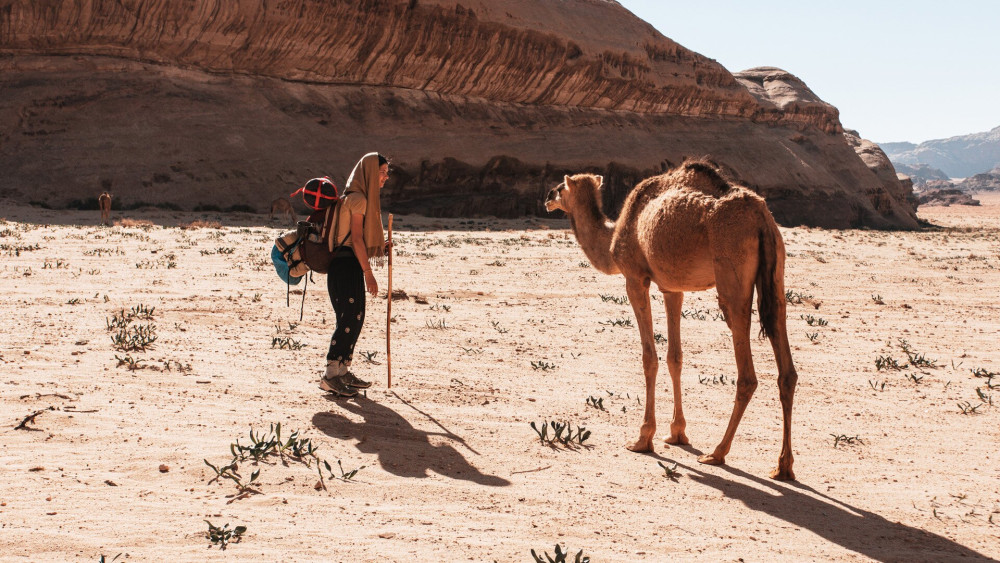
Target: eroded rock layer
[{"x": 482, "y": 107}]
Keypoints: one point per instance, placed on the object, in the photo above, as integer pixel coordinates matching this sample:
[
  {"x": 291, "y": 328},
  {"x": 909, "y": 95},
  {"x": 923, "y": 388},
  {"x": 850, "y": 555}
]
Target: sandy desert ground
[{"x": 505, "y": 324}]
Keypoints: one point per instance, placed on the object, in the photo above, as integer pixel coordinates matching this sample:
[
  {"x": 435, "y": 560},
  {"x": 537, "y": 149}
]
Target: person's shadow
[
  {"x": 402, "y": 449},
  {"x": 852, "y": 528}
]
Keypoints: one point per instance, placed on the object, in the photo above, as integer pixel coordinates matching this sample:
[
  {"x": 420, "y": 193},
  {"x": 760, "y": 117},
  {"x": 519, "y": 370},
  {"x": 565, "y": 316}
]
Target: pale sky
[{"x": 897, "y": 70}]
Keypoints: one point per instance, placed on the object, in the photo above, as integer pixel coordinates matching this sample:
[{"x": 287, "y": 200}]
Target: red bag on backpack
[{"x": 318, "y": 193}]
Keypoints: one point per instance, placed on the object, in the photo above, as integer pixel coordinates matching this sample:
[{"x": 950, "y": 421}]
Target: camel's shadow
[
  {"x": 852, "y": 528},
  {"x": 402, "y": 449}
]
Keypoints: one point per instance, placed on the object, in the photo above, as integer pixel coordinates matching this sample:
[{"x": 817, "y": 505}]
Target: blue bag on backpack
[{"x": 281, "y": 266}]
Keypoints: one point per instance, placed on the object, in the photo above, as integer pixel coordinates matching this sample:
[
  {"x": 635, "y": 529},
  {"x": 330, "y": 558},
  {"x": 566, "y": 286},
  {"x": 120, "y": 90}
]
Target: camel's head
[{"x": 561, "y": 196}]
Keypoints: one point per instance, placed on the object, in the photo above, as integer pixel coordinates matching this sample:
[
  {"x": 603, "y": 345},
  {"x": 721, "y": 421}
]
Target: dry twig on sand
[
  {"x": 31, "y": 418},
  {"x": 40, "y": 395}
]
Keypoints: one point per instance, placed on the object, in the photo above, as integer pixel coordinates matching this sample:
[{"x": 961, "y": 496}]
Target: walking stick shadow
[
  {"x": 852, "y": 528},
  {"x": 402, "y": 449}
]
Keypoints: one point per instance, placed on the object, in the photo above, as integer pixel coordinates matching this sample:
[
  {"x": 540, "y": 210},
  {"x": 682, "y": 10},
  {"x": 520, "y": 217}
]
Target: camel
[
  {"x": 690, "y": 230},
  {"x": 104, "y": 202},
  {"x": 284, "y": 207}
]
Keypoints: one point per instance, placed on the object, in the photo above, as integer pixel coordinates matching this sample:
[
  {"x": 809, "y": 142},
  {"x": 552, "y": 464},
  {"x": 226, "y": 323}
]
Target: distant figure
[
  {"x": 104, "y": 202},
  {"x": 283, "y": 207}
]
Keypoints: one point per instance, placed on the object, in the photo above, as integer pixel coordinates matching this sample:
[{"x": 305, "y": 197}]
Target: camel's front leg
[
  {"x": 638, "y": 294},
  {"x": 674, "y": 362}
]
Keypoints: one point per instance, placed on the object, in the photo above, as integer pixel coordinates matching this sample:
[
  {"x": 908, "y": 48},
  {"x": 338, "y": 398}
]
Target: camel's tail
[{"x": 770, "y": 278}]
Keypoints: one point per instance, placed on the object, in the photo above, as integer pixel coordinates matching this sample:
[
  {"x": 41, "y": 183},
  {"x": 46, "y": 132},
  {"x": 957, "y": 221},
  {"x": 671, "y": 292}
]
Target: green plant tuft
[
  {"x": 224, "y": 536},
  {"x": 560, "y": 556}
]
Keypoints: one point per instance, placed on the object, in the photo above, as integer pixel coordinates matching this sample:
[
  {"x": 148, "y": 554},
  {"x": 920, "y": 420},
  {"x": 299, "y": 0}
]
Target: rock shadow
[{"x": 402, "y": 449}]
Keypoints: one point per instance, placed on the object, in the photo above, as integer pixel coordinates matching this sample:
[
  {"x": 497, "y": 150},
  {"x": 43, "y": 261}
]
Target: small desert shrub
[
  {"x": 285, "y": 343},
  {"x": 811, "y": 320},
  {"x": 223, "y": 536},
  {"x": 670, "y": 472},
  {"x": 562, "y": 432},
  {"x": 916, "y": 360},
  {"x": 270, "y": 445},
  {"x": 439, "y": 324},
  {"x": 796, "y": 297},
  {"x": 887, "y": 362},
  {"x": 560, "y": 556},
  {"x": 845, "y": 439}
]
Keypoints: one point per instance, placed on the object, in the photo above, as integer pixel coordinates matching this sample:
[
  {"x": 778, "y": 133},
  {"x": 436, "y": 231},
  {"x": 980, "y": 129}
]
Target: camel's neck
[{"x": 593, "y": 231}]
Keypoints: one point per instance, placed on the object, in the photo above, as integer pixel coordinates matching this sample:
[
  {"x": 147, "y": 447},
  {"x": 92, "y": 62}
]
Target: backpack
[
  {"x": 318, "y": 193},
  {"x": 303, "y": 249},
  {"x": 297, "y": 253}
]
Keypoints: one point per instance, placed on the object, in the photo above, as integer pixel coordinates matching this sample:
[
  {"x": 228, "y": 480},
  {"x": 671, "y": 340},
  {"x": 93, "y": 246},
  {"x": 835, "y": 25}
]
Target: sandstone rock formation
[
  {"x": 931, "y": 185},
  {"x": 481, "y": 105},
  {"x": 890, "y": 189},
  {"x": 784, "y": 94},
  {"x": 988, "y": 182},
  {"x": 947, "y": 197}
]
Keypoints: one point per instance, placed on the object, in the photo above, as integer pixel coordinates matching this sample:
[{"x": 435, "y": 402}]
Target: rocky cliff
[
  {"x": 481, "y": 105},
  {"x": 891, "y": 189}
]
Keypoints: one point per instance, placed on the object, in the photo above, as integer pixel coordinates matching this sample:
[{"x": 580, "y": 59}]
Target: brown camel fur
[
  {"x": 104, "y": 202},
  {"x": 691, "y": 230},
  {"x": 282, "y": 206}
]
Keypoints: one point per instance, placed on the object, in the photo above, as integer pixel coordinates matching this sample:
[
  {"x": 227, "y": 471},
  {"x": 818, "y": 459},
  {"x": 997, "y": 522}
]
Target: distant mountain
[
  {"x": 897, "y": 147},
  {"x": 958, "y": 157},
  {"x": 919, "y": 173}
]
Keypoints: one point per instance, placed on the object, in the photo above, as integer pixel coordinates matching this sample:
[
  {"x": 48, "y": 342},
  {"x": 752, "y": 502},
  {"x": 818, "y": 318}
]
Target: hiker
[{"x": 359, "y": 227}]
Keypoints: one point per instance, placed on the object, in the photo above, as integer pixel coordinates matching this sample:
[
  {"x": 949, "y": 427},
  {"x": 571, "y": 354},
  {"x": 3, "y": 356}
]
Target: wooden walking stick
[{"x": 388, "y": 313}]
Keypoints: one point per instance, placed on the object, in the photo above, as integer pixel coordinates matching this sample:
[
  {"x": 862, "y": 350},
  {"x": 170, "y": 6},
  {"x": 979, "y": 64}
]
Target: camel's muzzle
[{"x": 552, "y": 201}]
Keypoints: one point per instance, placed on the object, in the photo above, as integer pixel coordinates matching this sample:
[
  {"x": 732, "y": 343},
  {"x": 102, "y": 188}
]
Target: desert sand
[{"x": 504, "y": 324}]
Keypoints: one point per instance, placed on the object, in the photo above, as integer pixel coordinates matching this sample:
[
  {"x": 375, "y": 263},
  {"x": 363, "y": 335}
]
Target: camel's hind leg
[
  {"x": 736, "y": 298},
  {"x": 787, "y": 379},
  {"x": 638, "y": 294},
  {"x": 673, "y": 301}
]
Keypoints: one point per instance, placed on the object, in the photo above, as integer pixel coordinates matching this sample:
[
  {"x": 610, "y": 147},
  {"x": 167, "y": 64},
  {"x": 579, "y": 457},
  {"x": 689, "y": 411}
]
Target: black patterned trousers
[{"x": 345, "y": 282}]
